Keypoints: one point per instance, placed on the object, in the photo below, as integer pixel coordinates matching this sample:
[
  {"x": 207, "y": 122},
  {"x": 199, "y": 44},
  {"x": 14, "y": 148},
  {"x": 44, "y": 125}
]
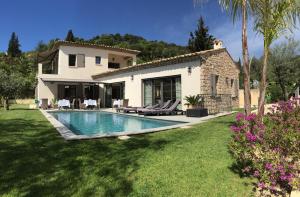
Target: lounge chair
[
  {"x": 134, "y": 109},
  {"x": 170, "y": 110},
  {"x": 159, "y": 107}
]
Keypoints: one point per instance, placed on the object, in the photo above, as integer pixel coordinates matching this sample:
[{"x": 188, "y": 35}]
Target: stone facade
[{"x": 226, "y": 73}]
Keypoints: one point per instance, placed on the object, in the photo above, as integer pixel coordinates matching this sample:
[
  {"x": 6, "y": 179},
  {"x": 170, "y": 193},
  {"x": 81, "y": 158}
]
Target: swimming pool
[{"x": 91, "y": 123}]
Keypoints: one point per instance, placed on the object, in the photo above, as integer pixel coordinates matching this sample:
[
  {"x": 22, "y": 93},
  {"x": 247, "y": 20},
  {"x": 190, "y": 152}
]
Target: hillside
[{"x": 150, "y": 49}]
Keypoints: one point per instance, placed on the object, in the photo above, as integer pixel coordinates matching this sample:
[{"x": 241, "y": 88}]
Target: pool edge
[{"x": 67, "y": 134}]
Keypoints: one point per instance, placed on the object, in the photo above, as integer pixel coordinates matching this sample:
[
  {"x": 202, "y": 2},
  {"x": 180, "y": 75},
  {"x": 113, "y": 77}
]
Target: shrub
[{"x": 270, "y": 150}]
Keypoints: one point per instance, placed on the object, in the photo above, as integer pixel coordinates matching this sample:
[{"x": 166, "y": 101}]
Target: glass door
[{"x": 157, "y": 91}]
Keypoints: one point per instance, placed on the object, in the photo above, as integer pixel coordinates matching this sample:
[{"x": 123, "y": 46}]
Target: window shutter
[
  {"x": 236, "y": 89},
  {"x": 80, "y": 60},
  {"x": 213, "y": 84}
]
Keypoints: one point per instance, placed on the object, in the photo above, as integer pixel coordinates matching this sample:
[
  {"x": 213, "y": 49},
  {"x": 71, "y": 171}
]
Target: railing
[{"x": 217, "y": 103}]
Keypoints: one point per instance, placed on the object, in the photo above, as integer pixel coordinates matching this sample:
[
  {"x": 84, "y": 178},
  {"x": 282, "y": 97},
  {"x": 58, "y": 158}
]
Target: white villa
[{"x": 81, "y": 70}]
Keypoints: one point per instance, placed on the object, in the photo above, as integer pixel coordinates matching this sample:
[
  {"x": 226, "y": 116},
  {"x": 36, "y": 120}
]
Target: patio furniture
[
  {"x": 73, "y": 104},
  {"x": 90, "y": 103},
  {"x": 44, "y": 104},
  {"x": 124, "y": 105},
  {"x": 116, "y": 103},
  {"x": 99, "y": 103},
  {"x": 197, "y": 112},
  {"x": 63, "y": 103},
  {"x": 167, "y": 111},
  {"x": 159, "y": 107},
  {"x": 81, "y": 105},
  {"x": 134, "y": 109}
]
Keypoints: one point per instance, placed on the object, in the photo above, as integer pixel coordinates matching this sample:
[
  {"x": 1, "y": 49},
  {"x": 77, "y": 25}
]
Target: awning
[{"x": 69, "y": 80}]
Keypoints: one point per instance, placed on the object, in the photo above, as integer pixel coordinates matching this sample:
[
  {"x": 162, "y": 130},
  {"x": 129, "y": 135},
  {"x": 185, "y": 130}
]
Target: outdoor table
[
  {"x": 64, "y": 103},
  {"x": 90, "y": 102},
  {"x": 117, "y": 103}
]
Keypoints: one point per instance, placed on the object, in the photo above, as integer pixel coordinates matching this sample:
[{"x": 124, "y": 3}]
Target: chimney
[{"x": 218, "y": 44}]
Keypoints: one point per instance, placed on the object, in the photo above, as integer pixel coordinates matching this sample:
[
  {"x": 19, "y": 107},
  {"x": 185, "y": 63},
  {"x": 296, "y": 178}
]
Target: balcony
[{"x": 50, "y": 68}]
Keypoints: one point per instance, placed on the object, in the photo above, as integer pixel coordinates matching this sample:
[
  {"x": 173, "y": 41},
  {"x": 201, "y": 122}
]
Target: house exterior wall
[
  {"x": 190, "y": 82},
  {"x": 223, "y": 66},
  {"x": 66, "y": 71},
  {"x": 196, "y": 82},
  {"x": 48, "y": 90}
]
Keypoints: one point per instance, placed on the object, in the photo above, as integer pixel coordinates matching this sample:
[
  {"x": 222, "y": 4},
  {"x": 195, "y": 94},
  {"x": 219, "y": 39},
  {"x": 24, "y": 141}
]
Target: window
[
  {"x": 113, "y": 65},
  {"x": 80, "y": 60},
  {"x": 72, "y": 60},
  {"x": 213, "y": 84},
  {"x": 98, "y": 60},
  {"x": 129, "y": 62},
  {"x": 227, "y": 81}
]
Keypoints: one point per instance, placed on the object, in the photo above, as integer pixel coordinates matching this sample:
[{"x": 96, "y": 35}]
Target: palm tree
[
  {"x": 272, "y": 18},
  {"x": 235, "y": 7}
]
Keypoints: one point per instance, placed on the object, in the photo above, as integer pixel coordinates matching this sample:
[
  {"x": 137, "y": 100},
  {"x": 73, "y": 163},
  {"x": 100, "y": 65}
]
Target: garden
[{"x": 268, "y": 149}]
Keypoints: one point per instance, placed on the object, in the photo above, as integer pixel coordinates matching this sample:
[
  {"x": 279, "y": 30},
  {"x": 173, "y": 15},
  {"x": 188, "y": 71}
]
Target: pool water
[{"x": 99, "y": 122}]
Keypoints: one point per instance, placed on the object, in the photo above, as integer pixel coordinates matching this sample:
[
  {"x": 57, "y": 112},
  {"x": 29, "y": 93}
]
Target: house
[
  {"x": 71, "y": 70},
  {"x": 66, "y": 70}
]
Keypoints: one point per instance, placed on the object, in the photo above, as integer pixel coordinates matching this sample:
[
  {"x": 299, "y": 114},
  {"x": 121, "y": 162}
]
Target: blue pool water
[{"x": 98, "y": 122}]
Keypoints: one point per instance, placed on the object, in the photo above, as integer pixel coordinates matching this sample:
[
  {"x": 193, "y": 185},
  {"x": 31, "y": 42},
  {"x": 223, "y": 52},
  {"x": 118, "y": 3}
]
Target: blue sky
[{"x": 167, "y": 20}]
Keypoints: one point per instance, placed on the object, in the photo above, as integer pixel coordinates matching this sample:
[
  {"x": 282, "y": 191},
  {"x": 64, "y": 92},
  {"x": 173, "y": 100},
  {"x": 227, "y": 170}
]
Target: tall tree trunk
[
  {"x": 263, "y": 82},
  {"x": 246, "y": 66},
  {"x": 6, "y": 103}
]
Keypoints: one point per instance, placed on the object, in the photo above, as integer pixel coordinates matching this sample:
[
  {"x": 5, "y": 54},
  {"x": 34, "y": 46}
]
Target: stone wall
[{"x": 227, "y": 84}]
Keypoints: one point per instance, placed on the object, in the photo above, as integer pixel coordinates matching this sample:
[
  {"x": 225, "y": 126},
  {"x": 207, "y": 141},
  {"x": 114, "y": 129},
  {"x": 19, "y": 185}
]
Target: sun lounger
[
  {"x": 170, "y": 110},
  {"x": 159, "y": 107},
  {"x": 134, "y": 109}
]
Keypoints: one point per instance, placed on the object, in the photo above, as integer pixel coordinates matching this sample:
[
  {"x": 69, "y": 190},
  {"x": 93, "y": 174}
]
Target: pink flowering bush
[{"x": 270, "y": 150}]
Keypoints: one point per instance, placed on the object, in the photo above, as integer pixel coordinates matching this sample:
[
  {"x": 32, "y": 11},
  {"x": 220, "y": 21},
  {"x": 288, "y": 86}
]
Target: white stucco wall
[
  {"x": 91, "y": 68},
  {"x": 48, "y": 90},
  {"x": 190, "y": 82}
]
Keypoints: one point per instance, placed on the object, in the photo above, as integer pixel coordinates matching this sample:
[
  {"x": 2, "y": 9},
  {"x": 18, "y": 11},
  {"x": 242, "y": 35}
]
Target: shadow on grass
[{"x": 36, "y": 161}]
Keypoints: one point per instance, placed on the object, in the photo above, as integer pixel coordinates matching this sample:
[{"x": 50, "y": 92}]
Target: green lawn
[{"x": 36, "y": 161}]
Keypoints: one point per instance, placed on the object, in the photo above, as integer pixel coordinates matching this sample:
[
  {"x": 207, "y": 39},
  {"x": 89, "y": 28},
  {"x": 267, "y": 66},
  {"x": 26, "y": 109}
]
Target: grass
[{"x": 36, "y": 161}]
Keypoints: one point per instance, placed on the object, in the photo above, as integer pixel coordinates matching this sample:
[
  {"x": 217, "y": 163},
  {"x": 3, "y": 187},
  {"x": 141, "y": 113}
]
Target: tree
[
  {"x": 41, "y": 46},
  {"x": 235, "y": 7},
  {"x": 200, "y": 40},
  {"x": 285, "y": 67},
  {"x": 271, "y": 19},
  {"x": 14, "y": 46},
  {"x": 70, "y": 37},
  {"x": 11, "y": 81}
]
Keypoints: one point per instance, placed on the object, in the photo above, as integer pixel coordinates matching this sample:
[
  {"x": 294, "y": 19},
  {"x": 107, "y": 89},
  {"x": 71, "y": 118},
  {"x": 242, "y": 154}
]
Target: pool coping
[{"x": 67, "y": 134}]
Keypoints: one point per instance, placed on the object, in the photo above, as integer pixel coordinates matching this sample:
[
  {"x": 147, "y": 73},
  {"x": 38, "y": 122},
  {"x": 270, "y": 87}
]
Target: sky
[{"x": 167, "y": 20}]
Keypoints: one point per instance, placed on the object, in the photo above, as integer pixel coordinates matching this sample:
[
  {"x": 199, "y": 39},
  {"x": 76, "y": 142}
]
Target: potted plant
[
  {"x": 54, "y": 103},
  {"x": 194, "y": 101}
]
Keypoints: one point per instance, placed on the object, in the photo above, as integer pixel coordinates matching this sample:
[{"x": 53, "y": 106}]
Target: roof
[
  {"x": 163, "y": 62},
  {"x": 97, "y": 46}
]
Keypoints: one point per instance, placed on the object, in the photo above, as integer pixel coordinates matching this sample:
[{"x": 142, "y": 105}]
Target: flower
[
  {"x": 240, "y": 116},
  {"x": 250, "y": 137},
  {"x": 235, "y": 128},
  {"x": 268, "y": 166},
  {"x": 261, "y": 185},
  {"x": 256, "y": 173},
  {"x": 251, "y": 117}
]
